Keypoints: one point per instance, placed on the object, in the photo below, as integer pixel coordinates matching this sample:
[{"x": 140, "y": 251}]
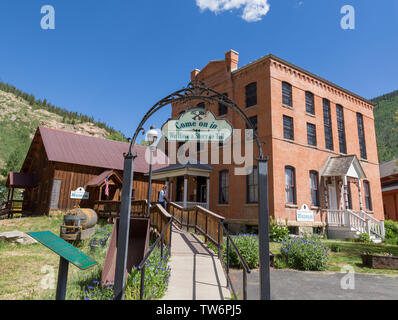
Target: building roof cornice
[{"x": 303, "y": 71}]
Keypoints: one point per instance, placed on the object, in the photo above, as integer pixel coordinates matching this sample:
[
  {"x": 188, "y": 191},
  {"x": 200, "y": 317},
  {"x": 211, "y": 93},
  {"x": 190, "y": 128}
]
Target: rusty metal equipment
[
  {"x": 138, "y": 246},
  {"x": 79, "y": 224}
]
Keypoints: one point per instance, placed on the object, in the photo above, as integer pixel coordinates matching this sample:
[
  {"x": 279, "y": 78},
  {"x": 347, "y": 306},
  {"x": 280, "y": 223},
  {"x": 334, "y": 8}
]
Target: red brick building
[{"x": 319, "y": 138}]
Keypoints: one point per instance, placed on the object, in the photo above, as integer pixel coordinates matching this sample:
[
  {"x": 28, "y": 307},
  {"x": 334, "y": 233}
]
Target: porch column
[
  {"x": 171, "y": 191},
  {"x": 325, "y": 186},
  {"x": 208, "y": 193},
  {"x": 185, "y": 190},
  {"x": 346, "y": 192},
  {"x": 360, "y": 195}
]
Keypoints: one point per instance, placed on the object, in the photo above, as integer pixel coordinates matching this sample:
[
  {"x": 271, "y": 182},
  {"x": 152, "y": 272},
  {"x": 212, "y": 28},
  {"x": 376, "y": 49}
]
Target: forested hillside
[{"x": 386, "y": 122}]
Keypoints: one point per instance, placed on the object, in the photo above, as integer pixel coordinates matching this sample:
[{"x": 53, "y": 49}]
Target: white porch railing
[
  {"x": 193, "y": 204},
  {"x": 360, "y": 221}
]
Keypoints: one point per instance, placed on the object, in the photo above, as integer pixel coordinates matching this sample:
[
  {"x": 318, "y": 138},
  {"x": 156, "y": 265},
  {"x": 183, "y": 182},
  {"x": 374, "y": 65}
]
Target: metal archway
[{"x": 196, "y": 90}]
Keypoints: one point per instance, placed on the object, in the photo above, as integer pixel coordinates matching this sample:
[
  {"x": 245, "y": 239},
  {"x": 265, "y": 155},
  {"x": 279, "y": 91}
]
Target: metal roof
[
  {"x": 99, "y": 180},
  {"x": 69, "y": 147},
  {"x": 389, "y": 186},
  {"x": 189, "y": 165},
  {"x": 389, "y": 168}
]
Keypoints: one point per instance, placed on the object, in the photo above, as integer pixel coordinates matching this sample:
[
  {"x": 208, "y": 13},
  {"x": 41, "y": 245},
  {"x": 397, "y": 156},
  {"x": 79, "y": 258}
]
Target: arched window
[
  {"x": 223, "y": 187},
  {"x": 290, "y": 185},
  {"x": 361, "y": 135},
  {"x": 252, "y": 186},
  {"x": 368, "y": 196},
  {"x": 314, "y": 186}
]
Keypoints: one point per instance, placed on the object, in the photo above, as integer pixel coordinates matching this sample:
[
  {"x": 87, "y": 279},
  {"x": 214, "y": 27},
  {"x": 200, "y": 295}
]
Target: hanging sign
[
  {"x": 79, "y": 193},
  {"x": 197, "y": 124}
]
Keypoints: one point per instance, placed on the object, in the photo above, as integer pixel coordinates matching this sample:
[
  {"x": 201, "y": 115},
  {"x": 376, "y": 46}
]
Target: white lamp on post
[{"x": 151, "y": 137}]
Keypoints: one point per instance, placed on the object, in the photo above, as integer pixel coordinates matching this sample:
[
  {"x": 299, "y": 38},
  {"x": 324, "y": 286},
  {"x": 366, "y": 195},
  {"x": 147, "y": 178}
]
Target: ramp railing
[
  {"x": 242, "y": 260},
  {"x": 111, "y": 209},
  {"x": 212, "y": 227},
  {"x": 161, "y": 223},
  {"x": 203, "y": 221}
]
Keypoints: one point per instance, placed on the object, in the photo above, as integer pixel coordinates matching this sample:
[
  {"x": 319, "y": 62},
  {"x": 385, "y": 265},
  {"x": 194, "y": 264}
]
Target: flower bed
[
  {"x": 376, "y": 261},
  {"x": 306, "y": 253}
]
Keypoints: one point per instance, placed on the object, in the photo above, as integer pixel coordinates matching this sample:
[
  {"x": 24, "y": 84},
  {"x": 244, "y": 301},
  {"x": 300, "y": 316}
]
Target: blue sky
[{"x": 115, "y": 59}]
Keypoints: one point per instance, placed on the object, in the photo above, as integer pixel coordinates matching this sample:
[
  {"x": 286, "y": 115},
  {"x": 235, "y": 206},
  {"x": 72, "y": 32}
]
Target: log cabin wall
[
  {"x": 58, "y": 177},
  {"x": 140, "y": 187},
  {"x": 73, "y": 176},
  {"x": 37, "y": 163}
]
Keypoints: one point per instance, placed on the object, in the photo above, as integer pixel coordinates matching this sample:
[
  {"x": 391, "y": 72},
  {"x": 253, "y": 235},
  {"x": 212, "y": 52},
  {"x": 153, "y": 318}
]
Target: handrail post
[
  {"x": 171, "y": 232},
  {"x": 161, "y": 247},
  {"x": 244, "y": 284},
  {"x": 188, "y": 220},
  {"x": 227, "y": 260},
  {"x": 206, "y": 227},
  {"x": 142, "y": 283},
  {"x": 196, "y": 220},
  {"x": 219, "y": 240}
]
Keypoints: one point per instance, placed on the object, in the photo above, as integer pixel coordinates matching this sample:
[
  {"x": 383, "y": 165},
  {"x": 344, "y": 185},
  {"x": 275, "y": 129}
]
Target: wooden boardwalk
[{"x": 196, "y": 272}]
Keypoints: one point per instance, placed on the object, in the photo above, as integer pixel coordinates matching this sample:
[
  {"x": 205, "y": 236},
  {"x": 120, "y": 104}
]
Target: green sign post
[{"x": 67, "y": 253}]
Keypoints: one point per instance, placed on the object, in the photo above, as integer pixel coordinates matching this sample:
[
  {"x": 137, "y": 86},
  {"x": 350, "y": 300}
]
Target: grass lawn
[
  {"x": 21, "y": 266},
  {"x": 350, "y": 254}
]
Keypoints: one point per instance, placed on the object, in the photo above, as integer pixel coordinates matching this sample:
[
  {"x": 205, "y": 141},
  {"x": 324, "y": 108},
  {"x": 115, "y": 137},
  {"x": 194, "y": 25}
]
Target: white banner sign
[
  {"x": 304, "y": 214},
  {"x": 79, "y": 193}
]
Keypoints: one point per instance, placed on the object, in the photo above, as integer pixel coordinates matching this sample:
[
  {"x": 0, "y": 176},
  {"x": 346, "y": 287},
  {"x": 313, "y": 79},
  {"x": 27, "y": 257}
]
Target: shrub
[
  {"x": 364, "y": 237},
  {"x": 335, "y": 248},
  {"x": 306, "y": 253},
  {"x": 157, "y": 275},
  {"x": 277, "y": 232},
  {"x": 391, "y": 228},
  {"x": 248, "y": 247}
]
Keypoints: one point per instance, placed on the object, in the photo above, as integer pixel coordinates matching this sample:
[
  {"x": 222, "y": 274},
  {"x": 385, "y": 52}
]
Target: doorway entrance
[{"x": 332, "y": 196}]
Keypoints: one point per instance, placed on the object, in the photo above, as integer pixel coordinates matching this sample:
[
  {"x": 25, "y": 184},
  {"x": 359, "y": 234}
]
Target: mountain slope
[
  {"x": 386, "y": 123},
  {"x": 20, "y": 115}
]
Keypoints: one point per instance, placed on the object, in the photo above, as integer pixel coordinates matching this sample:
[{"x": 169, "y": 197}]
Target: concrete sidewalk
[{"x": 196, "y": 272}]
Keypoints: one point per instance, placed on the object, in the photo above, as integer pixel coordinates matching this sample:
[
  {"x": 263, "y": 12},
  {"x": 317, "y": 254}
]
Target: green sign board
[
  {"x": 197, "y": 124},
  {"x": 64, "y": 249}
]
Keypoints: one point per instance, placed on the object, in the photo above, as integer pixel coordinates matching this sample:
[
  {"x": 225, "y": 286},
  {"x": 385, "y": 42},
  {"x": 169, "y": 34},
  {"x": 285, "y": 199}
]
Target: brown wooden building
[{"x": 70, "y": 170}]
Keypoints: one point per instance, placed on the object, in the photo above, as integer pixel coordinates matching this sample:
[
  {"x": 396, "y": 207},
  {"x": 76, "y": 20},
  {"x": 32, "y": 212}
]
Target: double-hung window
[
  {"x": 290, "y": 185},
  {"x": 287, "y": 99}
]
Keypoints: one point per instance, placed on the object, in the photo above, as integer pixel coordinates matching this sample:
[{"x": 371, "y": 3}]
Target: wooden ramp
[{"x": 196, "y": 271}]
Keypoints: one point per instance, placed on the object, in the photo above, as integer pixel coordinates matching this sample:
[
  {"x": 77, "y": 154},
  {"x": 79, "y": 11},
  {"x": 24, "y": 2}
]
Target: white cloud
[{"x": 253, "y": 10}]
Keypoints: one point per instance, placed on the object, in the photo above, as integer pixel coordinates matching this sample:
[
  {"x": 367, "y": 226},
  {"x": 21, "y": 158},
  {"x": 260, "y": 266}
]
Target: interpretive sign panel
[{"x": 64, "y": 249}]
